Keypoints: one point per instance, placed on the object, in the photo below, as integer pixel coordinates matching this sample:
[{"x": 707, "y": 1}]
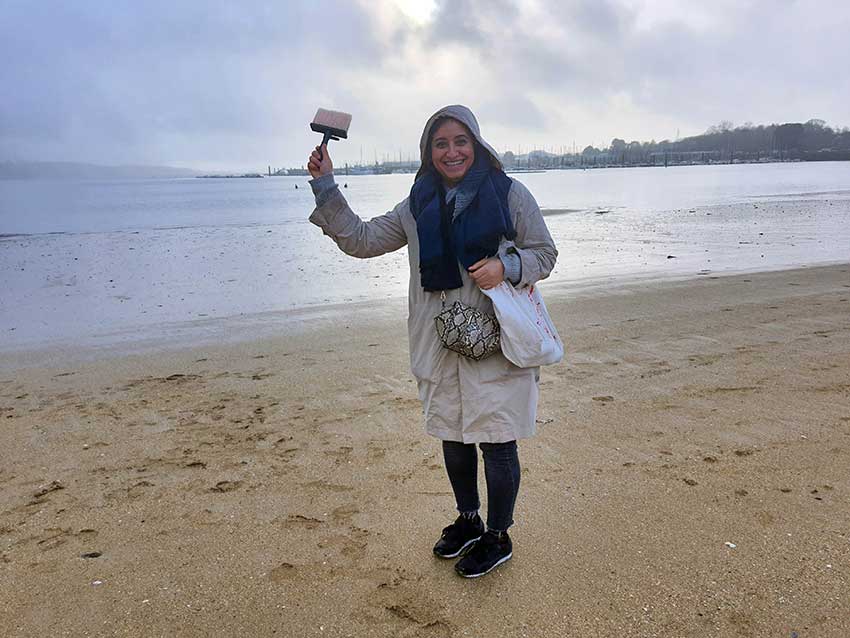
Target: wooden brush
[{"x": 332, "y": 124}]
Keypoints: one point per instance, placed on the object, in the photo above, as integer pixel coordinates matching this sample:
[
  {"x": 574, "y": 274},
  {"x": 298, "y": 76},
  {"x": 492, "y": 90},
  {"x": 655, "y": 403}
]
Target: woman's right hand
[{"x": 317, "y": 166}]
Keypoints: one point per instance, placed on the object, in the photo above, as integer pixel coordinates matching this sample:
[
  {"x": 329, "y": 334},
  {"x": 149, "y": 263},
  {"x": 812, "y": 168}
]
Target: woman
[{"x": 468, "y": 227}]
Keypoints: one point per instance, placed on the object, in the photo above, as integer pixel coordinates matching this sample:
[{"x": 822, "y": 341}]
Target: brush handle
[{"x": 327, "y": 138}]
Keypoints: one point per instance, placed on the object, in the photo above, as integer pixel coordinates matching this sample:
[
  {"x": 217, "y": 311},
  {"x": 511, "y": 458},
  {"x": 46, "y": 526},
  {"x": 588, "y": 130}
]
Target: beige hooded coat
[{"x": 491, "y": 401}]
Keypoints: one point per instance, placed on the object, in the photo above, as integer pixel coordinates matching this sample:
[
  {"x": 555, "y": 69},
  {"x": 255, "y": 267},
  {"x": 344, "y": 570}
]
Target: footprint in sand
[
  {"x": 226, "y": 486},
  {"x": 286, "y": 452},
  {"x": 180, "y": 377},
  {"x": 340, "y": 455},
  {"x": 344, "y": 513},
  {"x": 40, "y": 496},
  {"x": 375, "y": 453},
  {"x": 324, "y": 486},
  {"x": 283, "y": 572},
  {"x": 401, "y": 603},
  {"x": 299, "y": 520},
  {"x": 765, "y": 518},
  {"x": 704, "y": 359},
  {"x": 138, "y": 489},
  {"x": 53, "y": 486},
  {"x": 56, "y": 536},
  {"x": 351, "y": 546},
  {"x": 400, "y": 477}
]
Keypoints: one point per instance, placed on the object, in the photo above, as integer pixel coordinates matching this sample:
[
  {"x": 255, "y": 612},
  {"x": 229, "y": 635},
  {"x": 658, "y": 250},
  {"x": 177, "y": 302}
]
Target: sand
[{"x": 690, "y": 478}]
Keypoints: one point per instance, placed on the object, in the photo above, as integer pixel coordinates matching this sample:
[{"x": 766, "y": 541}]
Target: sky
[{"x": 218, "y": 85}]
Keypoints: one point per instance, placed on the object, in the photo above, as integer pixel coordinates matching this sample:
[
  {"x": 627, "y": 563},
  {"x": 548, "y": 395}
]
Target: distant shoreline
[
  {"x": 82, "y": 170},
  {"x": 243, "y": 176},
  {"x": 411, "y": 167}
]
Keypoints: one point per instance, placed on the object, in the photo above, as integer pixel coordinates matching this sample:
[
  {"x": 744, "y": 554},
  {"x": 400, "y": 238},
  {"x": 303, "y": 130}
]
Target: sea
[{"x": 98, "y": 262}]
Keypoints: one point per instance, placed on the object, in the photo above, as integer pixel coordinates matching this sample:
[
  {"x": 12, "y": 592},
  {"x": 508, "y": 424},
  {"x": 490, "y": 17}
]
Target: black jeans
[{"x": 501, "y": 471}]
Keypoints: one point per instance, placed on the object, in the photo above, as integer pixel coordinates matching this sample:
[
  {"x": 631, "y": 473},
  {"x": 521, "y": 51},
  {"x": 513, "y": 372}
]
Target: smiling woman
[
  {"x": 452, "y": 150},
  {"x": 468, "y": 227}
]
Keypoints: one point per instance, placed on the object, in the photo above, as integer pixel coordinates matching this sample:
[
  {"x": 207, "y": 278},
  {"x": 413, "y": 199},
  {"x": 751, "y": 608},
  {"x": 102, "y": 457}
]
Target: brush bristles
[{"x": 336, "y": 120}]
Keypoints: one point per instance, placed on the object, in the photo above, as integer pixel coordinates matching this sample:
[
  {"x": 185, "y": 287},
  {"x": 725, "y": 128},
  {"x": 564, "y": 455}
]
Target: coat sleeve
[
  {"x": 533, "y": 242},
  {"x": 356, "y": 237}
]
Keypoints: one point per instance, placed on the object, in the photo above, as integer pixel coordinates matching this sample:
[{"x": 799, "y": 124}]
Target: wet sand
[
  {"x": 97, "y": 287},
  {"x": 691, "y": 478}
]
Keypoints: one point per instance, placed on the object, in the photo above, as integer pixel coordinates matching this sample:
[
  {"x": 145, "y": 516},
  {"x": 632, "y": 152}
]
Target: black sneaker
[
  {"x": 492, "y": 550},
  {"x": 457, "y": 537}
]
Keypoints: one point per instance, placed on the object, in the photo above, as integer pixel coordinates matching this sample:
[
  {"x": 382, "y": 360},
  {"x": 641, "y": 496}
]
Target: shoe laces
[{"x": 490, "y": 541}]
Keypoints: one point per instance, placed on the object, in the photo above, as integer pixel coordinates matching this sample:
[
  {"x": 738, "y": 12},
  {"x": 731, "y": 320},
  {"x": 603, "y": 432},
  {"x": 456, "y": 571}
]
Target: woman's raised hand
[
  {"x": 488, "y": 272},
  {"x": 319, "y": 165}
]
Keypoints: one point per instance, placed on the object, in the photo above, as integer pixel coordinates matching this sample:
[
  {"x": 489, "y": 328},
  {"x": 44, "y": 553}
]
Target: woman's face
[{"x": 452, "y": 151}]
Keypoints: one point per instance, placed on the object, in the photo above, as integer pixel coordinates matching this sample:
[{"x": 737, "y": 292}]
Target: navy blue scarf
[{"x": 446, "y": 238}]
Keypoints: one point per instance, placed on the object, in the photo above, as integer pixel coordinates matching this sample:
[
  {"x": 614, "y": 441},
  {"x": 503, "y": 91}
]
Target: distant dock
[{"x": 243, "y": 176}]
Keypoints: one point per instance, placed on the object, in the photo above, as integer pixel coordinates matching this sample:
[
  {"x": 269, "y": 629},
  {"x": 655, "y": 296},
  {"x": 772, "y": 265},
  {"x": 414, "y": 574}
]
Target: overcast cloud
[{"x": 223, "y": 85}]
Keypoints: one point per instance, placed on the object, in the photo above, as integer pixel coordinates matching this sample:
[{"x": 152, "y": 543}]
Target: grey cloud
[
  {"x": 211, "y": 81},
  {"x": 597, "y": 18},
  {"x": 102, "y": 80},
  {"x": 745, "y": 62},
  {"x": 471, "y": 23},
  {"x": 531, "y": 61},
  {"x": 511, "y": 110}
]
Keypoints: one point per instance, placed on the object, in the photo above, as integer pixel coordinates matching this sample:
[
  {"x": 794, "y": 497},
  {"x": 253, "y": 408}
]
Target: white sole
[
  {"x": 460, "y": 551},
  {"x": 500, "y": 561}
]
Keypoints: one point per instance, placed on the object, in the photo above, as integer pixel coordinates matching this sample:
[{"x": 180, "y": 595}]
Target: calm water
[
  {"x": 99, "y": 261},
  {"x": 29, "y": 207}
]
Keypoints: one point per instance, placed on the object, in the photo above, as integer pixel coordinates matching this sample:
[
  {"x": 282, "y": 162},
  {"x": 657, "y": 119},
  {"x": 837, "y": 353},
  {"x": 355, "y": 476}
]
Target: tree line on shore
[{"x": 723, "y": 143}]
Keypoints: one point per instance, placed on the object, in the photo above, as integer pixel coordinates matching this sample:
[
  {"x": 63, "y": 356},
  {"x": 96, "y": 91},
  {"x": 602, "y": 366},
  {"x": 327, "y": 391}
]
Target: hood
[{"x": 463, "y": 115}]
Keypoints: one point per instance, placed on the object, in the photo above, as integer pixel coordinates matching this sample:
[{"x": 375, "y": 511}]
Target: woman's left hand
[{"x": 487, "y": 273}]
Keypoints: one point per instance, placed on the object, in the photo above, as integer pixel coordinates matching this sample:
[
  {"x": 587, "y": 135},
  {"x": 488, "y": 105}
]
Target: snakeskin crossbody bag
[{"x": 467, "y": 331}]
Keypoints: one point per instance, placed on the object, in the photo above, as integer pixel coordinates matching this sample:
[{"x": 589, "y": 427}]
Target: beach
[{"x": 690, "y": 476}]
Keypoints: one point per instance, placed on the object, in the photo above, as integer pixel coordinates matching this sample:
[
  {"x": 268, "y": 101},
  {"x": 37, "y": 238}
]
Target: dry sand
[{"x": 691, "y": 478}]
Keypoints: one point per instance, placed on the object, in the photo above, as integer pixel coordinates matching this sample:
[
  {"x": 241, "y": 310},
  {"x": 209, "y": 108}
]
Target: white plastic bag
[{"x": 529, "y": 338}]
